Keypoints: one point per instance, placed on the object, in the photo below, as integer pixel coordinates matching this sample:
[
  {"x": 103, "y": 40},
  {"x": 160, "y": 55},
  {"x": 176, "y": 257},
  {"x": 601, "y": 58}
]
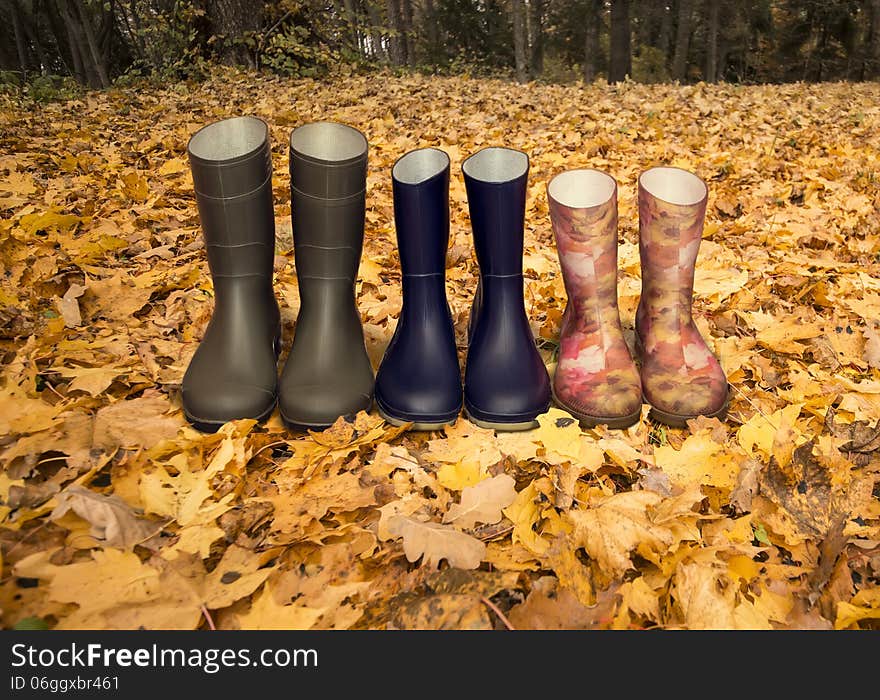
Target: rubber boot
[
  {"x": 596, "y": 379},
  {"x": 327, "y": 373},
  {"x": 681, "y": 378},
  {"x": 233, "y": 373},
  {"x": 419, "y": 379},
  {"x": 506, "y": 383}
]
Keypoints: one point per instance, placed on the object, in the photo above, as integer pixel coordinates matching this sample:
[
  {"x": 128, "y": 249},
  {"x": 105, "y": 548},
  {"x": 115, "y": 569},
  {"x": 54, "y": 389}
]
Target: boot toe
[
  {"x": 615, "y": 397},
  {"x": 420, "y": 406},
  {"x": 319, "y": 406},
  {"x": 418, "y": 396},
  {"x": 224, "y": 401},
  {"x": 686, "y": 397}
]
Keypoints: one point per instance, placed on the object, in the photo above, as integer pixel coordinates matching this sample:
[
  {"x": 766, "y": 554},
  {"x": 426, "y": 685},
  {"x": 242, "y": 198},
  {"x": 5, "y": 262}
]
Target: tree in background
[
  {"x": 96, "y": 41},
  {"x": 620, "y": 64}
]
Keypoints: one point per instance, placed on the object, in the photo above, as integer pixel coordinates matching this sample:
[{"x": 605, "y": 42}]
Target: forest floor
[{"x": 115, "y": 514}]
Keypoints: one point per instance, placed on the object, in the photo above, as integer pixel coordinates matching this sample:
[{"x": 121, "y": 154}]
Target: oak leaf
[
  {"x": 483, "y": 502},
  {"x": 113, "y": 521},
  {"x": 623, "y": 524},
  {"x": 436, "y": 542}
]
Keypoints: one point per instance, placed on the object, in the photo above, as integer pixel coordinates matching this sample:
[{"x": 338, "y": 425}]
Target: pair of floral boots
[{"x": 597, "y": 380}]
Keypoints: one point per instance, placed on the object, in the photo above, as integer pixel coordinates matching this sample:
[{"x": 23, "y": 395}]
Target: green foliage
[
  {"x": 9, "y": 79},
  {"x": 650, "y": 66},
  {"x": 290, "y": 52},
  {"x": 30, "y": 624},
  {"x": 52, "y": 88},
  {"x": 172, "y": 41}
]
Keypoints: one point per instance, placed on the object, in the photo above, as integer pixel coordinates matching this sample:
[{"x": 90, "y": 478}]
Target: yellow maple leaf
[
  {"x": 465, "y": 442},
  {"x": 267, "y": 614},
  {"x": 525, "y": 513},
  {"x": 699, "y": 460},
  {"x": 759, "y": 432},
  {"x": 865, "y": 605},
  {"x": 709, "y": 601},
  {"x": 628, "y": 522}
]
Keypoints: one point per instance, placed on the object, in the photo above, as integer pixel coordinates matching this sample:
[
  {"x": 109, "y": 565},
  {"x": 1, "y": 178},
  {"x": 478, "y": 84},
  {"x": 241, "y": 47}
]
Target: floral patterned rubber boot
[
  {"x": 596, "y": 379},
  {"x": 681, "y": 378}
]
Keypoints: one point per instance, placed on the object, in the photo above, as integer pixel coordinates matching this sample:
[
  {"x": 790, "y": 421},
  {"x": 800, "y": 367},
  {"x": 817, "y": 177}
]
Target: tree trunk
[
  {"x": 536, "y": 38},
  {"x": 232, "y": 21},
  {"x": 430, "y": 19},
  {"x": 682, "y": 40},
  {"x": 406, "y": 21},
  {"x": 82, "y": 57},
  {"x": 518, "y": 12},
  {"x": 136, "y": 40},
  {"x": 63, "y": 40},
  {"x": 620, "y": 64},
  {"x": 107, "y": 31},
  {"x": 28, "y": 24},
  {"x": 379, "y": 52},
  {"x": 395, "y": 35},
  {"x": 351, "y": 21},
  {"x": 874, "y": 43},
  {"x": 665, "y": 31},
  {"x": 92, "y": 44},
  {"x": 20, "y": 46},
  {"x": 591, "y": 43},
  {"x": 711, "y": 72},
  {"x": 8, "y": 58}
]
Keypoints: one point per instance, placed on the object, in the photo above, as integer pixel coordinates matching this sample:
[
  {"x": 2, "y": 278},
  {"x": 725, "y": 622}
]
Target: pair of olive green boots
[{"x": 233, "y": 373}]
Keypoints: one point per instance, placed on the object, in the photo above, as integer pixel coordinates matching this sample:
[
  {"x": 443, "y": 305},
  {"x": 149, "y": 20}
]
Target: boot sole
[
  {"x": 212, "y": 426},
  {"x": 501, "y": 425},
  {"x": 418, "y": 426},
  {"x": 677, "y": 420},
  {"x": 302, "y": 426},
  {"x": 588, "y": 421}
]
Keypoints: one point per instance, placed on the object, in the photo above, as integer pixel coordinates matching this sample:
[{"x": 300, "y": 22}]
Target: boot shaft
[
  {"x": 495, "y": 180},
  {"x": 583, "y": 214},
  {"x": 672, "y": 208},
  {"x": 328, "y": 171},
  {"x": 231, "y": 167},
  {"x": 420, "y": 184}
]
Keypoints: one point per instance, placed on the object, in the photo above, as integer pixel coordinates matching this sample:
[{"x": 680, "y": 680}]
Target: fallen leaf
[
  {"x": 482, "y": 503},
  {"x": 436, "y": 542},
  {"x": 267, "y": 614},
  {"x": 113, "y": 521}
]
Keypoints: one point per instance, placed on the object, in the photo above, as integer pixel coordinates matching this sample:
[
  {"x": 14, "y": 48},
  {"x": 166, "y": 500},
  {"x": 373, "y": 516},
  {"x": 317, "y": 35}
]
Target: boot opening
[
  {"x": 674, "y": 186},
  {"x": 420, "y": 165},
  {"x": 328, "y": 141},
  {"x": 496, "y": 165},
  {"x": 581, "y": 189},
  {"x": 228, "y": 139}
]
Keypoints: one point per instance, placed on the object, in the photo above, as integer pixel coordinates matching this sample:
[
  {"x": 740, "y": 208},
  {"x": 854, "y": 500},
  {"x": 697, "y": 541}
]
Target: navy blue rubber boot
[
  {"x": 506, "y": 384},
  {"x": 419, "y": 379}
]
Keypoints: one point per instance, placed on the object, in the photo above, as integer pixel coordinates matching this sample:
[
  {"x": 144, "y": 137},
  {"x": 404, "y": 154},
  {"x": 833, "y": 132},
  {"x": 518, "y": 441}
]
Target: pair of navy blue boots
[{"x": 506, "y": 385}]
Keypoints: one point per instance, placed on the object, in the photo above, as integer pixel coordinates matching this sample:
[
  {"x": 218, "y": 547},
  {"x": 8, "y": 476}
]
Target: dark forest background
[{"x": 97, "y": 42}]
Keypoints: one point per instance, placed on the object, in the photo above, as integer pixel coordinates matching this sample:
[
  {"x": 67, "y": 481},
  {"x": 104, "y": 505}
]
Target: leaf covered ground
[{"x": 115, "y": 514}]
